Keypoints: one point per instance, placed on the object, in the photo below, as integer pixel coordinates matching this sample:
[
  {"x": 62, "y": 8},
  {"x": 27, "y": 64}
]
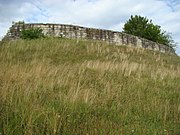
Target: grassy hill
[{"x": 59, "y": 86}]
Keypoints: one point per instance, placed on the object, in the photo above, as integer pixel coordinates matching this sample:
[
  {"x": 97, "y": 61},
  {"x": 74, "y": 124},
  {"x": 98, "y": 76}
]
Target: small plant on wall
[{"x": 32, "y": 33}]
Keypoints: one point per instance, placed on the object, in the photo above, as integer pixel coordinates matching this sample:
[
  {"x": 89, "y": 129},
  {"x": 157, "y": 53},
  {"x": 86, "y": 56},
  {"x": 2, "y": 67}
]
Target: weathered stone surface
[{"x": 78, "y": 32}]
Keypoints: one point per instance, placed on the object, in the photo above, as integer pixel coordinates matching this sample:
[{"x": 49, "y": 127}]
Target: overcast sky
[{"x": 106, "y": 14}]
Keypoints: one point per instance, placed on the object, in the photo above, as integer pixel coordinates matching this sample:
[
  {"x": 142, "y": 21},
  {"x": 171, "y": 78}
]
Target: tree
[{"x": 143, "y": 27}]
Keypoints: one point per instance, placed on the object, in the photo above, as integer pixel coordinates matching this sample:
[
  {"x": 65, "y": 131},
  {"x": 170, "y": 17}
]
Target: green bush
[{"x": 32, "y": 33}]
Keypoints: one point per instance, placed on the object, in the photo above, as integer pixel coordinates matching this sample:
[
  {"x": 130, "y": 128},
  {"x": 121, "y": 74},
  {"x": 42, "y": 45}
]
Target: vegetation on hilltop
[
  {"x": 32, "y": 33},
  {"x": 62, "y": 86},
  {"x": 143, "y": 27}
]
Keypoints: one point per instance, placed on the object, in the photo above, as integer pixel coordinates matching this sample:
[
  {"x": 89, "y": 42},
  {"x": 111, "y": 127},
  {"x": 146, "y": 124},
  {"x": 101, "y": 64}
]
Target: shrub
[{"x": 32, "y": 33}]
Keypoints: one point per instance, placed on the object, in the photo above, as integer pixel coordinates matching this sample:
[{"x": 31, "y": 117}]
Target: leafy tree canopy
[{"x": 143, "y": 27}]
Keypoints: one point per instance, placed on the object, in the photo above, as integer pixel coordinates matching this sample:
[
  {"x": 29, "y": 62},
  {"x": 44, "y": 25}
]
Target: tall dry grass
[{"x": 59, "y": 86}]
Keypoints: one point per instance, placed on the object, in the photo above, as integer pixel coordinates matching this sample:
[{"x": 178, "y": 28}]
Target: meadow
[{"x": 60, "y": 86}]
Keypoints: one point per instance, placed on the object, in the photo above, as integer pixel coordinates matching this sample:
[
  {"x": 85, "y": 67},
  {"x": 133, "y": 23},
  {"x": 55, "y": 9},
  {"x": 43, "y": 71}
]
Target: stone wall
[{"x": 78, "y": 32}]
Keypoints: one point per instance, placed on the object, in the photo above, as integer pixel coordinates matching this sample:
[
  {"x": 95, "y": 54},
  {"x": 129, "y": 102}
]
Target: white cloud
[{"x": 109, "y": 14}]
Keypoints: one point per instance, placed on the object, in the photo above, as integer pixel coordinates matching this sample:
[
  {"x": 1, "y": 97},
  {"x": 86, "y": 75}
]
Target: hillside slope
[{"x": 59, "y": 86}]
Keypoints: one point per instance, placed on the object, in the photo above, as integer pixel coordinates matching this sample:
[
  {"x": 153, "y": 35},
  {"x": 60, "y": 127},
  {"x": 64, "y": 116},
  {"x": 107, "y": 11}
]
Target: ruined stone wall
[{"x": 78, "y": 32}]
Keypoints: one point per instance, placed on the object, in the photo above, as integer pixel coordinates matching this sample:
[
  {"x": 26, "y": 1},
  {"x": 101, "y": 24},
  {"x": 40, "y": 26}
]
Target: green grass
[{"x": 60, "y": 86}]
